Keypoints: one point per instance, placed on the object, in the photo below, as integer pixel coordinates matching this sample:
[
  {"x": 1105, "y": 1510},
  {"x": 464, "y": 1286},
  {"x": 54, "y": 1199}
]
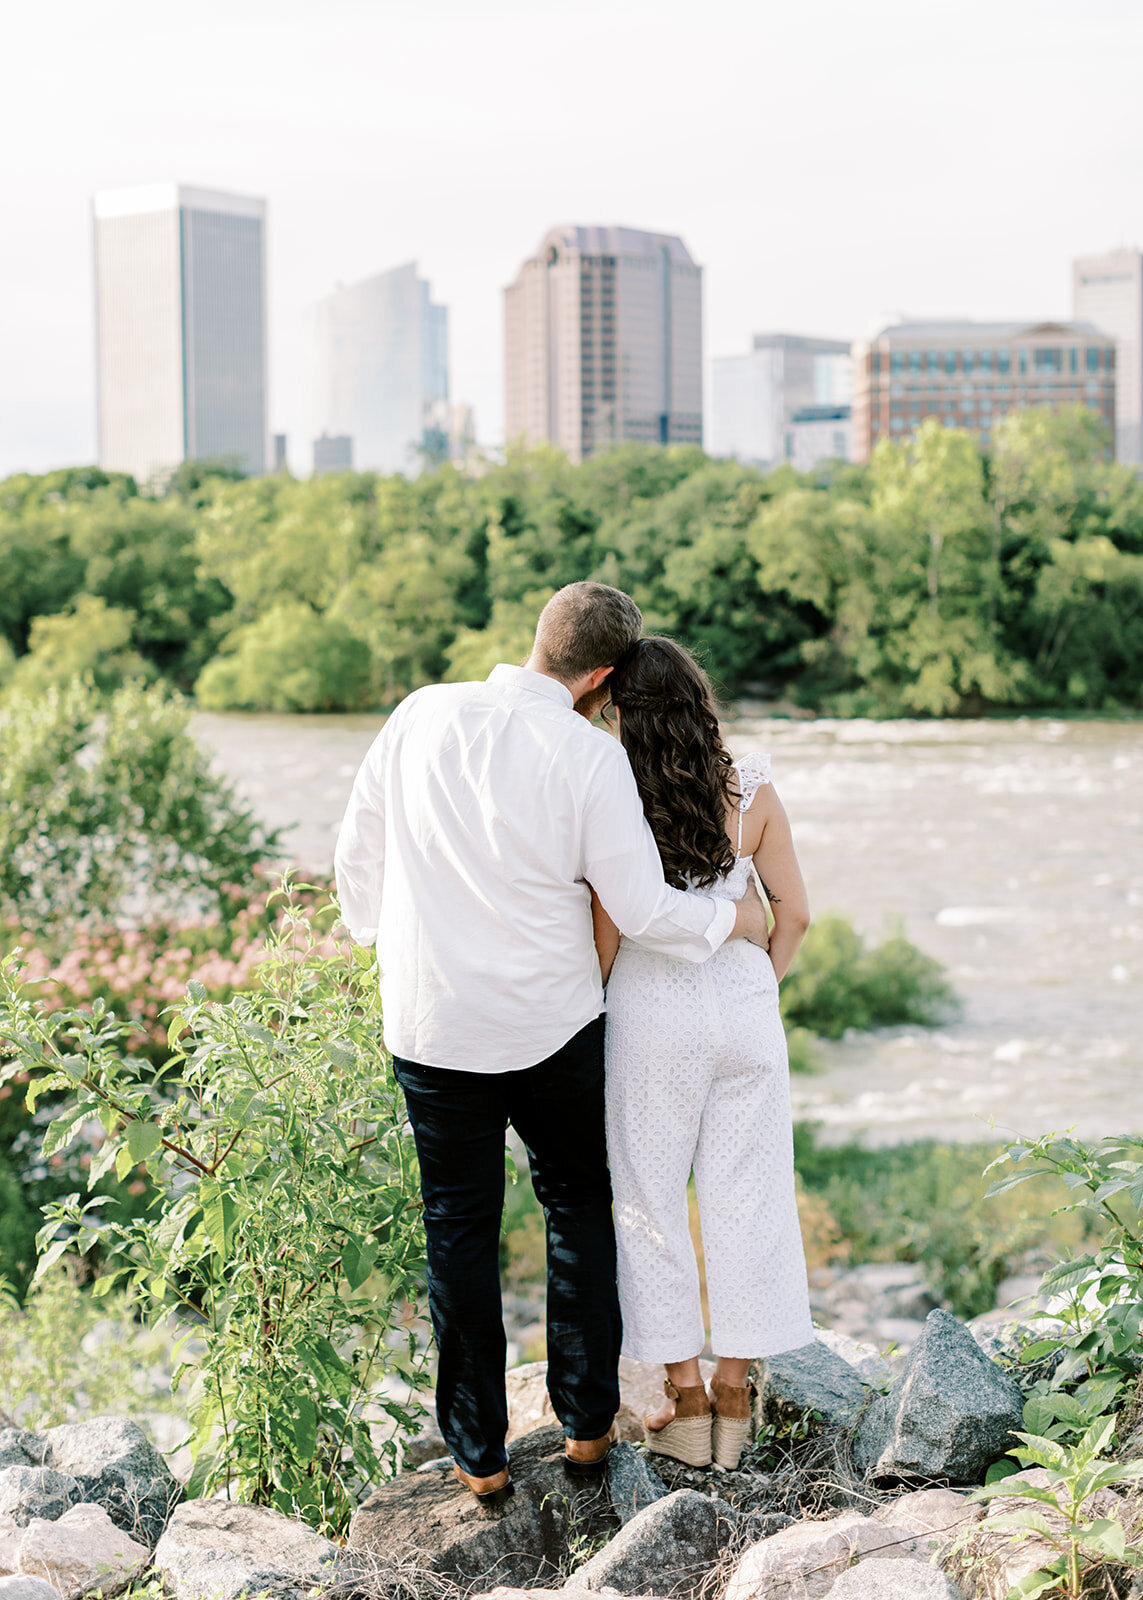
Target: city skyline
[{"x": 926, "y": 171}]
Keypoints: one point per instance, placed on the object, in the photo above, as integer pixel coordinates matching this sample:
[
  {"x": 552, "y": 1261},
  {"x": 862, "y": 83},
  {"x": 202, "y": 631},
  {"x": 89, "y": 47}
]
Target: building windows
[
  {"x": 1048, "y": 359},
  {"x": 1004, "y": 362},
  {"x": 1091, "y": 358},
  {"x": 897, "y": 361},
  {"x": 914, "y": 361},
  {"x": 985, "y": 359},
  {"x": 875, "y": 362},
  {"x": 1022, "y": 353},
  {"x": 967, "y": 360},
  {"x": 1073, "y": 359}
]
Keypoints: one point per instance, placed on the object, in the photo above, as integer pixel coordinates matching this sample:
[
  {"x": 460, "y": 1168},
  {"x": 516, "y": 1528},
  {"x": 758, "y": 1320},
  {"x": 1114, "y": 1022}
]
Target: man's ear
[{"x": 598, "y": 676}]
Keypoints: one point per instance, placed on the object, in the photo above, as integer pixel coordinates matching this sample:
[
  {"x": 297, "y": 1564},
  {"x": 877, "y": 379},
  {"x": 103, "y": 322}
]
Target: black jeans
[{"x": 459, "y": 1120}]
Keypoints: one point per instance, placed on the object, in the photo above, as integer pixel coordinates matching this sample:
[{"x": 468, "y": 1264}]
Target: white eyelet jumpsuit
[{"x": 698, "y": 1080}]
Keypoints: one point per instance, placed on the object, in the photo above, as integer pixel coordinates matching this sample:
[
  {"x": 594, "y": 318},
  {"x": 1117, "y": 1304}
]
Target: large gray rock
[
  {"x": 878, "y": 1579},
  {"x": 83, "y": 1550},
  {"x": 665, "y": 1549},
  {"x": 21, "y": 1587},
  {"x": 10, "y": 1535},
  {"x": 217, "y": 1550},
  {"x": 105, "y": 1461},
  {"x": 811, "y": 1378},
  {"x": 948, "y": 1417},
  {"x": 937, "y": 1514},
  {"x": 27, "y": 1492},
  {"x": 802, "y": 1562},
  {"x": 426, "y": 1518},
  {"x": 631, "y": 1483},
  {"x": 118, "y": 1468}
]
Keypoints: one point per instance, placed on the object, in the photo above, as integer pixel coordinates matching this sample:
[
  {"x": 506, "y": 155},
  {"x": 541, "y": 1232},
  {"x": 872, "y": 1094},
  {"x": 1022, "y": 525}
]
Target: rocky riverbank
[{"x": 866, "y": 1500}]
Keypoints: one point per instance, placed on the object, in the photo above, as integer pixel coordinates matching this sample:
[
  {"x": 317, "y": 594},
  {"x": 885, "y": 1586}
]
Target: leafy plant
[
  {"x": 1099, "y": 1293},
  {"x": 283, "y": 1241},
  {"x": 1073, "y": 1474},
  {"x": 66, "y": 1354},
  {"x": 110, "y": 806},
  {"x": 837, "y": 983}
]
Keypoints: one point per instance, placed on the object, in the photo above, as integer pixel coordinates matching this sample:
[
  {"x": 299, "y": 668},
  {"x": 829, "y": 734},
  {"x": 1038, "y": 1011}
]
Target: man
[{"x": 477, "y": 821}]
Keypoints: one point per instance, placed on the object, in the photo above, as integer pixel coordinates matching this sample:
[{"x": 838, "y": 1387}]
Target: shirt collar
[{"x": 537, "y": 682}]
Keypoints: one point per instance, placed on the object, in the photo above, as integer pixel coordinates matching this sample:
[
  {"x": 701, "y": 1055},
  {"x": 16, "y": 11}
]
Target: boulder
[
  {"x": 217, "y": 1550},
  {"x": 811, "y": 1378},
  {"x": 10, "y": 1535},
  {"x": 569, "y": 1592},
  {"x": 428, "y": 1518},
  {"x": 83, "y": 1550},
  {"x": 949, "y": 1415},
  {"x": 878, "y": 1579},
  {"x": 631, "y": 1483},
  {"x": 118, "y": 1468},
  {"x": 27, "y": 1492},
  {"x": 105, "y": 1461},
  {"x": 937, "y": 1514},
  {"x": 803, "y": 1561},
  {"x": 665, "y": 1549},
  {"x": 22, "y": 1587}
]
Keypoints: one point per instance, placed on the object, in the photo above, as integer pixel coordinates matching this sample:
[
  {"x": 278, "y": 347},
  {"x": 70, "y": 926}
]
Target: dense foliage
[
  {"x": 109, "y": 806},
  {"x": 935, "y": 580},
  {"x": 283, "y": 1233}
]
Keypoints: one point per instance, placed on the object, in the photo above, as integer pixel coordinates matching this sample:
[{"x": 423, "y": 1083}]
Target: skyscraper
[
  {"x": 968, "y": 374},
  {"x": 1108, "y": 291},
  {"x": 180, "y": 294},
  {"x": 379, "y": 364},
  {"x": 755, "y": 396},
  {"x": 603, "y": 341}
]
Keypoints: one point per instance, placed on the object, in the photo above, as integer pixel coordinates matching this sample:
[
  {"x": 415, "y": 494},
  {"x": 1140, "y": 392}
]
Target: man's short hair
[{"x": 585, "y": 626}]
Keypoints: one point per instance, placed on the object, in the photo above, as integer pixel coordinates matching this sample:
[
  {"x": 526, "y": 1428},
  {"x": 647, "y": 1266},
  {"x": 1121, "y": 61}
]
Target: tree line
[{"x": 937, "y": 580}]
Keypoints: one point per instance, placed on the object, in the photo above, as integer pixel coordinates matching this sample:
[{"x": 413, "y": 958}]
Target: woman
[{"x": 697, "y": 1073}]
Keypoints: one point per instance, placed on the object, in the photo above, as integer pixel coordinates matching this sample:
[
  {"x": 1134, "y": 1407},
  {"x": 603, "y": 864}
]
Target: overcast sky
[{"x": 825, "y": 160}]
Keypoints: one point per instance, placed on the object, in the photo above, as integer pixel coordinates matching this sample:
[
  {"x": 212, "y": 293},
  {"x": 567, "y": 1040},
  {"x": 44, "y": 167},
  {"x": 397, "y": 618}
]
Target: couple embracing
[{"x": 510, "y": 861}]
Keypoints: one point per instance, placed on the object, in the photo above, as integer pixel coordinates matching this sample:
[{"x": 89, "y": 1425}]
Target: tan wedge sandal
[
  {"x": 686, "y": 1437},
  {"x": 730, "y": 1427}
]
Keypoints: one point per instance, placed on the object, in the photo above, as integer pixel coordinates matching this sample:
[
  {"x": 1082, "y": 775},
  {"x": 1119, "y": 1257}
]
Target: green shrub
[
  {"x": 836, "y": 983},
  {"x": 67, "y": 1354},
  {"x": 110, "y": 806},
  {"x": 292, "y": 659},
  {"x": 285, "y": 1220},
  {"x": 92, "y": 638}
]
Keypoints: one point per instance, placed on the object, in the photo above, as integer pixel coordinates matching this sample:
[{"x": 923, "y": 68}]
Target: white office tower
[
  {"x": 1107, "y": 290},
  {"x": 180, "y": 297},
  {"x": 754, "y": 397},
  {"x": 378, "y": 366}
]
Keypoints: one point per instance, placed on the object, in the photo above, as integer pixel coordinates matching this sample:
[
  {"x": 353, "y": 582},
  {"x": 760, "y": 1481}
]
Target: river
[{"x": 1010, "y": 850}]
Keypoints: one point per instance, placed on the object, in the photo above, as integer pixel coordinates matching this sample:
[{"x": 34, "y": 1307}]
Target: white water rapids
[{"x": 1011, "y": 850}]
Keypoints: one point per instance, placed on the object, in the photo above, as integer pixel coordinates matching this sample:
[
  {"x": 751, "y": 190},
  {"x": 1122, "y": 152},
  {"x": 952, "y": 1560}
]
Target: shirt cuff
[{"x": 721, "y": 924}]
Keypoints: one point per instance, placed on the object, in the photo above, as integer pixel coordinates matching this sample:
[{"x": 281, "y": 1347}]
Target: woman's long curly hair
[{"x": 668, "y": 726}]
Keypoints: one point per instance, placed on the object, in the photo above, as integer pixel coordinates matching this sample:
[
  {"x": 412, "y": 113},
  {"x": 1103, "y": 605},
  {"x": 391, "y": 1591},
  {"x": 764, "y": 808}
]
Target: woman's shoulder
[{"x": 754, "y": 768}]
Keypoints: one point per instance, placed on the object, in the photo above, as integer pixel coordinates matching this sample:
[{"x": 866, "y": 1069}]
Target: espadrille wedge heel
[
  {"x": 686, "y": 1437},
  {"x": 730, "y": 1427}
]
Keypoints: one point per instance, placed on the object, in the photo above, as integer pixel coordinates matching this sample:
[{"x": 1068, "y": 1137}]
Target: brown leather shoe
[
  {"x": 586, "y": 1458},
  {"x": 489, "y": 1491}
]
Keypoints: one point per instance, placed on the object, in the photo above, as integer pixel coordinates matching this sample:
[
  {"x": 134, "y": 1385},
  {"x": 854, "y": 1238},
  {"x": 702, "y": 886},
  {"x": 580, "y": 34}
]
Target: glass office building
[
  {"x": 378, "y": 366},
  {"x": 603, "y": 341},
  {"x": 970, "y": 374},
  {"x": 180, "y": 292},
  {"x": 1108, "y": 290}
]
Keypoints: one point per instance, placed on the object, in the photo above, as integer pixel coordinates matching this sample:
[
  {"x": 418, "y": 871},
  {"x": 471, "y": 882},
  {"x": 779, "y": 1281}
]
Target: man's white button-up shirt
[{"x": 479, "y": 817}]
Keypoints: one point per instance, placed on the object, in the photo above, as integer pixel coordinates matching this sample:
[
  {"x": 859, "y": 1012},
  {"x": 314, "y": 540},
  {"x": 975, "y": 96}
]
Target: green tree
[
  {"x": 93, "y": 638},
  {"x": 291, "y": 659},
  {"x": 108, "y": 806}
]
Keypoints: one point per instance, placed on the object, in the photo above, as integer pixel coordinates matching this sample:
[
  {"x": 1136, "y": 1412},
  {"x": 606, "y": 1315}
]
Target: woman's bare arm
[
  {"x": 777, "y": 866},
  {"x": 606, "y": 936}
]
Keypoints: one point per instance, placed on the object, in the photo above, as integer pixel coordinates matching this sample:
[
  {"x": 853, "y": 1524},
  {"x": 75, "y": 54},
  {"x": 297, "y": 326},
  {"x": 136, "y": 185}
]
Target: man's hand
[{"x": 750, "y": 919}]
